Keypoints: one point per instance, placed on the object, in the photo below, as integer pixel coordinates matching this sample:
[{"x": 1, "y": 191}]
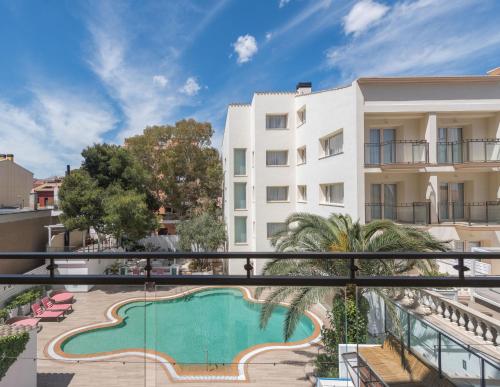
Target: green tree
[
  {"x": 80, "y": 200},
  {"x": 109, "y": 193},
  {"x": 339, "y": 233},
  {"x": 126, "y": 215},
  {"x": 185, "y": 170},
  {"x": 206, "y": 232}
]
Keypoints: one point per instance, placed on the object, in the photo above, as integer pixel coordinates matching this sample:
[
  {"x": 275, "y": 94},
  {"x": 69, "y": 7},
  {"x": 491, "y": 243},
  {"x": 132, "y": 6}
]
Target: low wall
[{"x": 23, "y": 372}]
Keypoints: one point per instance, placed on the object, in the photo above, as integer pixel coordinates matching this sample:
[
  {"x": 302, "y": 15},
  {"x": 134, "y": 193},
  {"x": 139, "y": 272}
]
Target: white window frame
[
  {"x": 234, "y": 194},
  {"x": 277, "y": 115},
  {"x": 325, "y": 144},
  {"x": 277, "y": 165},
  {"x": 302, "y": 193},
  {"x": 246, "y": 231},
  {"x": 234, "y": 161},
  {"x": 301, "y": 120},
  {"x": 273, "y": 223},
  {"x": 324, "y": 190},
  {"x": 278, "y": 201},
  {"x": 301, "y": 160}
]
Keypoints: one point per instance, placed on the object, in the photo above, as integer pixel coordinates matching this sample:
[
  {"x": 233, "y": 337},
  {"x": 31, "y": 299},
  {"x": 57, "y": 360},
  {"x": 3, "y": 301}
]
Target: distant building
[
  {"x": 15, "y": 183},
  {"x": 46, "y": 192}
]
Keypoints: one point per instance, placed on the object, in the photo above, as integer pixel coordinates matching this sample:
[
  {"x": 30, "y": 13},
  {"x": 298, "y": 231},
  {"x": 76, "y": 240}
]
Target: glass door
[
  {"x": 457, "y": 199},
  {"x": 444, "y": 212},
  {"x": 455, "y": 138},
  {"x": 389, "y": 153},
  {"x": 374, "y": 146},
  {"x": 390, "y": 200},
  {"x": 376, "y": 201},
  {"x": 449, "y": 146}
]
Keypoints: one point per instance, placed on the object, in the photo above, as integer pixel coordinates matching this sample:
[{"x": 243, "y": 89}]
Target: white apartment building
[{"x": 417, "y": 150}]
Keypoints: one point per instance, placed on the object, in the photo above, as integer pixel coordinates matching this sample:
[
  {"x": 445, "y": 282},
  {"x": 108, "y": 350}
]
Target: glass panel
[
  {"x": 376, "y": 201},
  {"x": 443, "y": 202},
  {"x": 274, "y": 228},
  {"x": 240, "y": 167},
  {"x": 491, "y": 374},
  {"x": 424, "y": 341},
  {"x": 240, "y": 229},
  {"x": 390, "y": 200},
  {"x": 389, "y": 152},
  {"x": 277, "y": 194},
  {"x": 240, "y": 196},
  {"x": 276, "y": 121},
  {"x": 457, "y": 199},
  {"x": 276, "y": 158},
  {"x": 493, "y": 151},
  {"x": 374, "y": 146},
  {"x": 459, "y": 364}
]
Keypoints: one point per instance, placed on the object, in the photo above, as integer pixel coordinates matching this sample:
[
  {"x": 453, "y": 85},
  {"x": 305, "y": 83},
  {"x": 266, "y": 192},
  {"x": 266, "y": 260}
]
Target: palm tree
[{"x": 339, "y": 233}]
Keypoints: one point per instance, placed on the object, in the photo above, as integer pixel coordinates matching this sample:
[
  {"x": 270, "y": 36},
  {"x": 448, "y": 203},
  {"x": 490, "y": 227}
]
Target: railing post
[
  {"x": 440, "y": 367},
  {"x": 51, "y": 267},
  {"x": 461, "y": 268},
  {"x": 148, "y": 267},
  {"x": 352, "y": 269},
  {"x": 248, "y": 267},
  {"x": 487, "y": 215},
  {"x": 468, "y": 213},
  {"x": 483, "y": 380},
  {"x": 413, "y": 209},
  {"x": 408, "y": 338}
]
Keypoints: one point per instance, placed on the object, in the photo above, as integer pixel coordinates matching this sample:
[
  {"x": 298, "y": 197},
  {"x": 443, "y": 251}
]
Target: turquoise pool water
[{"x": 208, "y": 326}]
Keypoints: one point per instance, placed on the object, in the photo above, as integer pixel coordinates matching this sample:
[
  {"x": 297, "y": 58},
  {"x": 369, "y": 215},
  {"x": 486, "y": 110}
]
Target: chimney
[
  {"x": 494, "y": 71},
  {"x": 10, "y": 157},
  {"x": 303, "y": 88}
]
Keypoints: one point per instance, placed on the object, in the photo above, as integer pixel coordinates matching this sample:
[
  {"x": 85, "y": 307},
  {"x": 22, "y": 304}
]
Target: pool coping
[{"x": 236, "y": 371}]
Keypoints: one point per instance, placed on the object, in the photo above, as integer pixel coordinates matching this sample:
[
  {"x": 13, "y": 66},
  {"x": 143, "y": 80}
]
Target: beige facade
[
  {"x": 16, "y": 183},
  {"x": 23, "y": 231}
]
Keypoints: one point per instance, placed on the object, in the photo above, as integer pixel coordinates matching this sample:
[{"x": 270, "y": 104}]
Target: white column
[{"x": 431, "y": 136}]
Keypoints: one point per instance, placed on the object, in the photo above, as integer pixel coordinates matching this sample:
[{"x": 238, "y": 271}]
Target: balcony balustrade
[
  {"x": 403, "y": 152},
  {"x": 468, "y": 151},
  {"x": 412, "y": 213},
  {"x": 477, "y": 212}
]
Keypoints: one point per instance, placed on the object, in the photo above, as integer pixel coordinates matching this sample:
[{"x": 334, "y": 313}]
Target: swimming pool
[{"x": 205, "y": 326}]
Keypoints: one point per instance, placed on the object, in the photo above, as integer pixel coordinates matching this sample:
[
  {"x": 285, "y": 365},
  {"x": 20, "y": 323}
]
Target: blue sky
[{"x": 77, "y": 72}]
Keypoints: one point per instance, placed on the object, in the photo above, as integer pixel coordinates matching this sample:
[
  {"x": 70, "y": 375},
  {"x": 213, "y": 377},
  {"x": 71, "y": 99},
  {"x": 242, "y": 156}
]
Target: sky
[{"x": 74, "y": 73}]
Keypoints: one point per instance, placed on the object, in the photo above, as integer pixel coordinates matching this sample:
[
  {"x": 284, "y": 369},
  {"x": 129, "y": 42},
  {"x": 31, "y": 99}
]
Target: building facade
[
  {"x": 15, "y": 183},
  {"x": 423, "y": 151}
]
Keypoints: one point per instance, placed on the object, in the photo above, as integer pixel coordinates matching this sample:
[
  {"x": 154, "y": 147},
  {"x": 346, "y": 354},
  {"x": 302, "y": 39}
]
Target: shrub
[
  {"x": 4, "y": 314},
  {"x": 27, "y": 297},
  {"x": 10, "y": 348}
]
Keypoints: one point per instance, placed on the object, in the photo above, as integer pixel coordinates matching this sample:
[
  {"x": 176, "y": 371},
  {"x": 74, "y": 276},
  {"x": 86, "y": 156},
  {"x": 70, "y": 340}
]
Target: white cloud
[
  {"x": 191, "y": 87},
  {"x": 406, "y": 42},
  {"x": 363, "y": 15},
  {"x": 246, "y": 47},
  {"x": 269, "y": 35},
  {"x": 283, "y": 3},
  {"x": 160, "y": 80},
  {"x": 51, "y": 131}
]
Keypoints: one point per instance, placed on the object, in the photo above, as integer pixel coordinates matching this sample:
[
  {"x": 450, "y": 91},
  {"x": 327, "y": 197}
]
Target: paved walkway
[{"x": 280, "y": 368}]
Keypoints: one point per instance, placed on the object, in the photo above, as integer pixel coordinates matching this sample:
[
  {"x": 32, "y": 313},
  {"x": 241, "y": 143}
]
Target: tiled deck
[{"x": 289, "y": 368}]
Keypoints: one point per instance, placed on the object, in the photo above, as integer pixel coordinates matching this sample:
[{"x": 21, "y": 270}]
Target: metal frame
[{"x": 254, "y": 280}]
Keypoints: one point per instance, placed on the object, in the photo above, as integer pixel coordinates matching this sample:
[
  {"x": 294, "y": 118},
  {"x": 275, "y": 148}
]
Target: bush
[
  {"x": 10, "y": 348},
  {"x": 4, "y": 314},
  {"x": 27, "y": 297}
]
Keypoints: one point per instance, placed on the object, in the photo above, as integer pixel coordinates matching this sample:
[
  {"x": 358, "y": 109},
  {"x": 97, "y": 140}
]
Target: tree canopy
[
  {"x": 109, "y": 193},
  {"x": 185, "y": 170},
  {"x": 202, "y": 233}
]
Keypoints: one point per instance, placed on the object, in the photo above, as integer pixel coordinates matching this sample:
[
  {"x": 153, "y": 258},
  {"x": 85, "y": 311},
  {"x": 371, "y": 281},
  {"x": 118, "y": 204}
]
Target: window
[
  {"x": 275, "y": 158},
  {"x": 240, "y": 162},
  {"x": 277, "y": 194},
  {"x": 240, "y": 229},
  {"x": 275, "y": 228},
  {"x": 302, "y": 193},
  {"x": 333, "y": 145},
  {"x": 333, "y": 193},
  {"x": 301, "y": 116},
  {"x": 240, "y": 196},
  {"x": 301, "y": 155},
  {"x": 276, "y": 121}
]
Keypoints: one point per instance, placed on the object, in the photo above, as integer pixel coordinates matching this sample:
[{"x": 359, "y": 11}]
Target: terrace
[{"x": 135, "y": 302}]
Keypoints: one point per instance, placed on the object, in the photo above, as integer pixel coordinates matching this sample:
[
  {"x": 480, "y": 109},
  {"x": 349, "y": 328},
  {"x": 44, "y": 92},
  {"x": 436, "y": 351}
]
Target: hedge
[{"x": 10, "y": 348}]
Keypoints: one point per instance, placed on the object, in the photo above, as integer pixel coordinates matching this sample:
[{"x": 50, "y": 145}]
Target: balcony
[
  {"x": 155, "y": 329},
  {"x": 411, "y": 213},
  {"x": 396, "y": 153},
  {"x": 471, "y": 213},
  {"x": 468, "y": 151}
]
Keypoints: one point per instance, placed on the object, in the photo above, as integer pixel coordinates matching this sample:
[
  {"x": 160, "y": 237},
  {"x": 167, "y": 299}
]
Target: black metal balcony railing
[
  {"x": 478, "y": 212},
  {"x": 468, "y": 151},
  {"x": 248, "y": 258},
  {"x": 413, "y": 213},
  {"x": 397, "y": 152}
]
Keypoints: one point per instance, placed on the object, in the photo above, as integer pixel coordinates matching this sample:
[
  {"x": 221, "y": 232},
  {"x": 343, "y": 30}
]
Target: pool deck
[{"x": 283, "y": 367}]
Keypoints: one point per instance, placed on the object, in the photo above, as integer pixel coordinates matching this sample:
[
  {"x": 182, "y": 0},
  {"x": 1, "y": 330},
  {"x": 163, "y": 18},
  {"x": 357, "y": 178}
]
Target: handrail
[{"x": 352, "y": 277}]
